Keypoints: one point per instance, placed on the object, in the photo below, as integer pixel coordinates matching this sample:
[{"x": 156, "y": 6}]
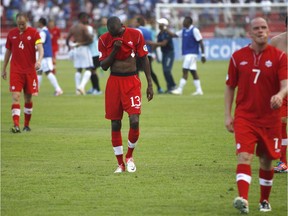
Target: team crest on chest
[
  {"x": 268, "y": 63},
  {"x": 130, "y": 43},
  {"x": 29, "y": 38}
]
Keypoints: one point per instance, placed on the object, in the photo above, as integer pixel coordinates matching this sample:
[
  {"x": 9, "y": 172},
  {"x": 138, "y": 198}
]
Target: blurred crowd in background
[{"x": 64, "y": 12}]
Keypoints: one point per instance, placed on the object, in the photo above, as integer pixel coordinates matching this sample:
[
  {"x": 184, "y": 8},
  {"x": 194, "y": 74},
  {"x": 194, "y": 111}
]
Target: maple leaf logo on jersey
[
  {"x": 243, "y": 63},
  {"x": 130, "y": 43},
  {"x": 29, "y": 37},
  {"x": 268, "y": 63}
]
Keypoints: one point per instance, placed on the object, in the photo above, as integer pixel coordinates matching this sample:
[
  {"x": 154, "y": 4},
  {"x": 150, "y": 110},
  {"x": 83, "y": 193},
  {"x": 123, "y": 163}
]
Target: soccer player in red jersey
[
  {"x": 55, "y": 36},
  {"x": 280, "y": 42},
  {"x": 21, "y": 44},
  {"x": 119, "y": 48},
  {"x": 259, "y": 71}
]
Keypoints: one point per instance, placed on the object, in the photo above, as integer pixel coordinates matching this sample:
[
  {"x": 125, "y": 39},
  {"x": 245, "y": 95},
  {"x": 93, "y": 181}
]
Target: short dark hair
[
  {"x": 141, "y": 21},
  {"x": 81, "y": 15},
  {"x": 43, "y": 21},
  {"x": 189, "y": 19}
]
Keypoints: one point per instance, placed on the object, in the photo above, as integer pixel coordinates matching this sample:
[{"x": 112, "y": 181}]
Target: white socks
[
  {"x": 197, "y": 85},
  {"x": 85, "y": 79},
  {"x": 53, "y": 80}
]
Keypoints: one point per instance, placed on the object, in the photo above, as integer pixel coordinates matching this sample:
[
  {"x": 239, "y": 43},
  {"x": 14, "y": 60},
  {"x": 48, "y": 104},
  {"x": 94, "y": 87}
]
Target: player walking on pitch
[
  {"x": 21, "y": 44},
  {"x": 259, "y": 71},
  {"x": 118, "y": 50}
]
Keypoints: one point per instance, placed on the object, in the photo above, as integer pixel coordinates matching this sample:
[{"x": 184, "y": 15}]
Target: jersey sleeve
[
  {"x": 197, "y": 34},
  {"x": 142, "y": 49},
  {"x": 231, "y": 79},
  {"x": 8, "y": 44},
  {"x": 102, "y": 49},
  {"x": 283, "y": 67}
]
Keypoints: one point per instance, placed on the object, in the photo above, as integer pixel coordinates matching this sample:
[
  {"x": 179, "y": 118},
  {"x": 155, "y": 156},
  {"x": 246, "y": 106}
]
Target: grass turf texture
[{"x": 185, "y": 157}]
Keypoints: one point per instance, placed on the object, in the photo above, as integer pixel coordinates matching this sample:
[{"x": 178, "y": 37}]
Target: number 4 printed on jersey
[{"x": 21, "y": 45}]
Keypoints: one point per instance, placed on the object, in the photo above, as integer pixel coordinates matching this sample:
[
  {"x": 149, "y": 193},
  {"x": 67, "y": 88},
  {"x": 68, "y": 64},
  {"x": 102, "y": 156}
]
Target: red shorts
[
  {"x": 123, "y": 93},
  {"x": 268, "y": 140},
  {"x": 26, "y": 81}
]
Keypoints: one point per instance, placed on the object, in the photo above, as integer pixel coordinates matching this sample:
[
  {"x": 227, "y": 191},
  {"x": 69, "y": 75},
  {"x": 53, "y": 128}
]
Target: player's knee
[
  {"x": 244, "y": 158},
  {"x": 134, "y": 121},
  {"x": 116, "y": 125}
]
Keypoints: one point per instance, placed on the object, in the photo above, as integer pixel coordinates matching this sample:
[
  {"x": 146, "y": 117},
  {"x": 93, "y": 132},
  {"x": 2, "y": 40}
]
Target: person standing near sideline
[
  {"x": 47, "y": 62},
  {"x": 259, "y": 71},
  {"x": 82, "y": 57},
  {"x": 55, "y": 33},
  {"x": 191, "y": 41},
  {"x": 165, "y": 42},
  {"x": 21, "y": 44},
  {"x": 280, "y": 42},
  {"x": 147, "y": 34},
  {"x": 95, "y": 90},
  {"x": 118, "y": 50}
]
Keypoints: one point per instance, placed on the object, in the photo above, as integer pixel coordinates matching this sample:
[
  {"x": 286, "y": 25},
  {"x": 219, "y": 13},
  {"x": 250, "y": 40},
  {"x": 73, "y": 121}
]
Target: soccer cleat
[
  {"x": 26, "y": 129},
  {"x": 15, "y": 129},
  {"x": 177, "y": 91},
  {"x": 160, "y": 91},
  {"x": 281, "y": 168},
  {"x": 241, "y": 204},
  {"x": 264, "y": 206},
  {"x": 120, "y": 169},
  {"x": 131, "y": 167},
  {"x": 58, "y": 93},
  {"x": 96, "y": 92},
  {"x": 80, "y": 91},
  {"x": 197, "y": 93}
]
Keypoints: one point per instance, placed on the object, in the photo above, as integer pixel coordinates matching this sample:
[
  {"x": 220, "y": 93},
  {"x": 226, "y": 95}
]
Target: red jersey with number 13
[
  {"x": 258, "y": 79},
  {"x": 23, "y": 49}
]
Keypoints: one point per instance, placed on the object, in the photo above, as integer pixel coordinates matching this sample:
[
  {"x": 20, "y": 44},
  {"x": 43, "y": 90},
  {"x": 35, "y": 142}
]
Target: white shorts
[
  {"x": 190, "y": 62},
  {"x": 82, "y": 57},
  {"x": 47, "y": 64}
]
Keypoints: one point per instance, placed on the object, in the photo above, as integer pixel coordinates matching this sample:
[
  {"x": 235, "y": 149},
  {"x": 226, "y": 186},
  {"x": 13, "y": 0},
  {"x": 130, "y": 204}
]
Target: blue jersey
[
  {"x": 147, "y": 34},
  {"x": 47, "y": 44},
  {"x": 189, "y": 43},
  {"x": 169, "y": 46}
]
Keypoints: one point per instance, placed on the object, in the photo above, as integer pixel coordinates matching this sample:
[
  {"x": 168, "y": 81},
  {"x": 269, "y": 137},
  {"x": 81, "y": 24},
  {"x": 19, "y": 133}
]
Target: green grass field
[{"x": 185, "y": 157}]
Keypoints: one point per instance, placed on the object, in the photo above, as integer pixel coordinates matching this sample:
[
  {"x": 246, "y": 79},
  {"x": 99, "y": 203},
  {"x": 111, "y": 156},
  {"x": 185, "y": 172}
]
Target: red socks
[
  {"x": 265, "y": 180},
  {"x": 132, "y": 140},
  {"x": 117, "y": 146},
  {"x": 243, "y": 178},
  {"x": 27, "y": 113},
  {"x": 15, "y": 109}
]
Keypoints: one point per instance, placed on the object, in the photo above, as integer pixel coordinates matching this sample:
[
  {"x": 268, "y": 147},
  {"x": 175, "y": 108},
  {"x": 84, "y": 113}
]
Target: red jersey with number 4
[
  {"x": 23, "y": 49},
  {"x": 258, "y": 79},
  {"x": 132, "y": 44}
]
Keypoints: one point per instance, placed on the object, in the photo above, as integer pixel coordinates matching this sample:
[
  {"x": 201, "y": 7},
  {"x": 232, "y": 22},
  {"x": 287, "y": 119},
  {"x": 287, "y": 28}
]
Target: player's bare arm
[
  {"x": 40, "y": 56},
  {"x": 146, "y": 66},
  {"x": 276, "y": 100},
  {"x": 229, "y": 97},
  {"x": 5, "y": 63}
]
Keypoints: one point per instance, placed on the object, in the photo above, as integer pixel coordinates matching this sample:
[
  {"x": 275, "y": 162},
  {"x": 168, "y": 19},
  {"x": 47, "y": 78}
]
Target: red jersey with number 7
[
  {"x": 258, "y": 79},
  {"x": 23, "y": 48}
]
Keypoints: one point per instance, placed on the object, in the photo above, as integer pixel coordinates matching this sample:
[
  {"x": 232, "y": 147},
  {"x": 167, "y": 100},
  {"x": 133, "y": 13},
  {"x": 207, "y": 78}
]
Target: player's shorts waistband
[{"x": 123, "y": 74}]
